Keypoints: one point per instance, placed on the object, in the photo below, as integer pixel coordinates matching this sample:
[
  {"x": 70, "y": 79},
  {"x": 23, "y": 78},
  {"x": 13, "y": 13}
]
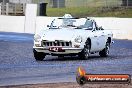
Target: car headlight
[
  {"x": 37, "y": 38},
  {"x": 78, "y": 39}
]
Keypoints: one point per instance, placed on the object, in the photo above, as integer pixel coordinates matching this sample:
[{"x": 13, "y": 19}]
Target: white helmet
[{"x": 67, "y": 16}]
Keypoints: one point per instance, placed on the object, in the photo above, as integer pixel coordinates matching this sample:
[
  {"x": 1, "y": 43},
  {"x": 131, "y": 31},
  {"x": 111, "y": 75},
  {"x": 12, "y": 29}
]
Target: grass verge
[{"x": 91, "y": 11}]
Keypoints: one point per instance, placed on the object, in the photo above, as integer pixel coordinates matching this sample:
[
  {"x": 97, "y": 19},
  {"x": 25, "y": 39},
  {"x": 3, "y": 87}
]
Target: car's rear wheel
[
  {"x": 105, "y": 51},
  {"x": 39, "y": 56},
  {"x": 86, "y": 51}
]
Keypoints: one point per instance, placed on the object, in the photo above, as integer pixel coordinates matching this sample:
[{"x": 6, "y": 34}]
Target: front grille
[{"x": 56, "y": 43}]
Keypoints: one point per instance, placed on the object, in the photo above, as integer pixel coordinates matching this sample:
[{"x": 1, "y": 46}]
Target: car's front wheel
[
  {"x": 39, "y": 56},
  {"x": 105, "y": 51},
  {"x": 86, "y": 51}
]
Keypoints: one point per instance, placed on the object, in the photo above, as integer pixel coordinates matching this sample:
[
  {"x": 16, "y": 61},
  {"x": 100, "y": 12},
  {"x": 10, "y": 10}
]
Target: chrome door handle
[{"x": 95, "y": 36}]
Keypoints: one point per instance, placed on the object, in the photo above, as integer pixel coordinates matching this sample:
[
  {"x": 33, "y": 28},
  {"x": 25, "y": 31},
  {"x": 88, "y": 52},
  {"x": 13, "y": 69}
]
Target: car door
[
  {"x": 94, "y": 41},
  {"x": 98, "y": 39},
  {"x": 101, "y": 39},
  {"x": 89, "y": 25}
]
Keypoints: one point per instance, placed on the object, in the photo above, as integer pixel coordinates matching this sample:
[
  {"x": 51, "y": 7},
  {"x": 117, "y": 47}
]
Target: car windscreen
[{"x": 82, "y": 23}]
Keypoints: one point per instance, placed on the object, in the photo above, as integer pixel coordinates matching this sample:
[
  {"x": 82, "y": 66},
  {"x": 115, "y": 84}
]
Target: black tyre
[
  {"x": 39, "y": 56},
  {"x": 86, "y": 51},
  {"x": 105, "y": 51}
]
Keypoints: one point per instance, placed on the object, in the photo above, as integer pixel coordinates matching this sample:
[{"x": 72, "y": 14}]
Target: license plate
[{"x": 56, "y": 49}]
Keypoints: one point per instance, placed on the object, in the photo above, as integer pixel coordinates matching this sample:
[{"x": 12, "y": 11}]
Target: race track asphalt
[{"x": 18, "y": 66}]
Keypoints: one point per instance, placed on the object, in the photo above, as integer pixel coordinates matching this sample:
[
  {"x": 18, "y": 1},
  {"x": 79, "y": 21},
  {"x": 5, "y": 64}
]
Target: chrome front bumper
[{"x": 67, "y": 50}]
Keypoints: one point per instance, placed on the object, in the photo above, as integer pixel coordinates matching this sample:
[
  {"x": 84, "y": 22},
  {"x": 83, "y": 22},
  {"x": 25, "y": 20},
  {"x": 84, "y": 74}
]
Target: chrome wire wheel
[
  {"x": 86, "y": 51},
  {"x": 105, "y": 51},
  {"x": 84, "y": 54},
  {"x": 107, "y": 48}
]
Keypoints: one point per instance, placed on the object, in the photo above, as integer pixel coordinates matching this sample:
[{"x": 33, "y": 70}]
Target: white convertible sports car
[{"x": 72, "y": 36}]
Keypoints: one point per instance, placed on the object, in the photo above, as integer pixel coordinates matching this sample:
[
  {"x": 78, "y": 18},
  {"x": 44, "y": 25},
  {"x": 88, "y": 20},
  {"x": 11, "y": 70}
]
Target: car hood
[{"x": 63, "y": 34}]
